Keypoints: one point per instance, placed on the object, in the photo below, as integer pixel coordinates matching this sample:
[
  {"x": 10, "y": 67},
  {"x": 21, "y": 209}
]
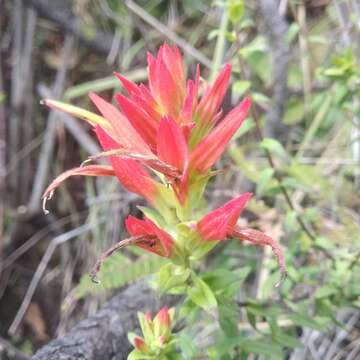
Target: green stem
[{"x": 220, "y": 45}]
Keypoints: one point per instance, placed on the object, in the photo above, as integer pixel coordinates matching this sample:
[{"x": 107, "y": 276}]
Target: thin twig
[{"x": 119, "y": 245}]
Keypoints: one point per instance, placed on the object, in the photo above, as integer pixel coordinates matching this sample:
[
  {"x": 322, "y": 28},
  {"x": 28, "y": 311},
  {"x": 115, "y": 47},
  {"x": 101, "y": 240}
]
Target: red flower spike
[
  {"x": 171, "y": 144},
  {"x": 163, "y": 243},
  {"x": 144, "y": 124},
  {"x": 259, "y": 238},
  {"x": 214, "y": 96},
  {"x": 132, "y": 175},
  {"x": 209, "y": 149},
  {"x": 91, "y": 170},
  {"x": 123, "y": 132},
  {"x": 215, "y": 225}
]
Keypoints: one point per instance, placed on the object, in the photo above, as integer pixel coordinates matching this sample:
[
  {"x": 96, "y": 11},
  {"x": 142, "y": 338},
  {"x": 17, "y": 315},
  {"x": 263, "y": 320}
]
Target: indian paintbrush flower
[
  {"x": 157, "y": 340},
  {"x": 162, "y": 144}
]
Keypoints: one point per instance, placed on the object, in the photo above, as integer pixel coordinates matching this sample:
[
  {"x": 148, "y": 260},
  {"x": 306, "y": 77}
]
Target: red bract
[
  {"x": 210, "y": 148},
  {"x": 215, "y": 225},
  {"x": 221, "y": 224},
  {"x": 131, "y": 174},
  {"x": 159, "y": 243}
]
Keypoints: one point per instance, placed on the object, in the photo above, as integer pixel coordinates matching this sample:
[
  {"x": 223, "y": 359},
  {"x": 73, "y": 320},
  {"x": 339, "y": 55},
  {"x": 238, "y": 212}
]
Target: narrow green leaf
[{"x": 201, "y": 294}]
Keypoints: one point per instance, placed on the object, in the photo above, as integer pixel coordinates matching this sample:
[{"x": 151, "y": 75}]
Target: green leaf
[
  {"x": 153, "y": 215},
  {"x": 264, "y": 181},
  {"x": 261, "y": 310},
  {"x": 258, "y": 346},
  {"x": 240, "y": 87},
  {"x": 287, "y": 340},
  {"x": 251, "y": 318},
  {"x": 262, "y": 347},
  {"x": 325, "y": 291},
  {"x": 292, "y": 32},
  {"x": 274, "y": 147},
  {"x": 229, "y": 317},
  {"x": 295, "y": 111},
  {"x": 186, "y": 343},
  {"x": 236, "y": 10},
  {"x": 145, "y": 326},
  {"x": 172, "y": 276},
  {"x": 201, "y": 294},
  {"x": 260, "y": 98},
  {"x": 306, "y": 321},
  {"x": 118, "y": 271},
  {"x": 137, "y": 355}
]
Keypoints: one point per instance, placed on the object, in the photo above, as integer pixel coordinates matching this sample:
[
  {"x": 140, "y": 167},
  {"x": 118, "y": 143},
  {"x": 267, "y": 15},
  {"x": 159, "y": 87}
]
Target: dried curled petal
[
  {"x": 259, "y": 238},
  {"x": 91, "y": 170}
]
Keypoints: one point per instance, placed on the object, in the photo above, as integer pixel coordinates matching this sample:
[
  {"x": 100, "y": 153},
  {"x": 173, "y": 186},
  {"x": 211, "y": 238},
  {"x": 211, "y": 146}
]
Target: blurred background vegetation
[{"x": 299, "y": 151}]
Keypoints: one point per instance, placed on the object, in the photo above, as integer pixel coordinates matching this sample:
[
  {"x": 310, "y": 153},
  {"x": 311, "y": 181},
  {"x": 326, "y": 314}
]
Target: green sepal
[
  {"x": 202, "y": 249},
  {"x": 146, "y": 327},
  {"x": 137, "y": 355},
  {"x": 186, "y": 237},
  {"x": 153, "y": 215},
  {"x": 172, "y": 277}
]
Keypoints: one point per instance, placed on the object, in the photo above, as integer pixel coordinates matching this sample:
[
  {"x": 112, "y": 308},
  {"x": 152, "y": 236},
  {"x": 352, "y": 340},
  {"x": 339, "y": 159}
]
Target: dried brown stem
[{"x": 119, "y": 245}]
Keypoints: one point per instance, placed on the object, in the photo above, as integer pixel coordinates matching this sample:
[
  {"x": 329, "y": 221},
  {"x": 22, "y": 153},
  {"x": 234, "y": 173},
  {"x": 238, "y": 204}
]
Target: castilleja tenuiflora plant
[{"x": 162, "y": 141}]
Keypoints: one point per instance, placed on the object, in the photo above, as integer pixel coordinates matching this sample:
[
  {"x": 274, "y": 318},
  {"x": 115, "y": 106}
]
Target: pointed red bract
[
  {"x": 130, "y": 86},
  {"x": 132, "y": 175},
  {"x": 166, "y": 80},
  {"x": 171, "y": 144},
  {"x": 215, "y": 225},
  {"x": 144, "y": 124},
  {"x": 162, "y": 244},
  {"x": 213, "y": 97},
  {"x": 123, "y": 132},
  {"x": 210, "y": 148}
]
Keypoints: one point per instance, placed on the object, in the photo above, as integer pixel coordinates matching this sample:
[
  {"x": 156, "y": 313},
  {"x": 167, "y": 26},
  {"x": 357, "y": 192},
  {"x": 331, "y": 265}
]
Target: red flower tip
[
  {"x": 210, "y": 148},
  {"x": 148, "y": 317},
  {"x": 140, "y": 344},
  {"x": 163, "y": 317},
  {"x": 215, "y": 225},
  {"x": 214, "y": 95},
  {"x": 130, "y": 87}
]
